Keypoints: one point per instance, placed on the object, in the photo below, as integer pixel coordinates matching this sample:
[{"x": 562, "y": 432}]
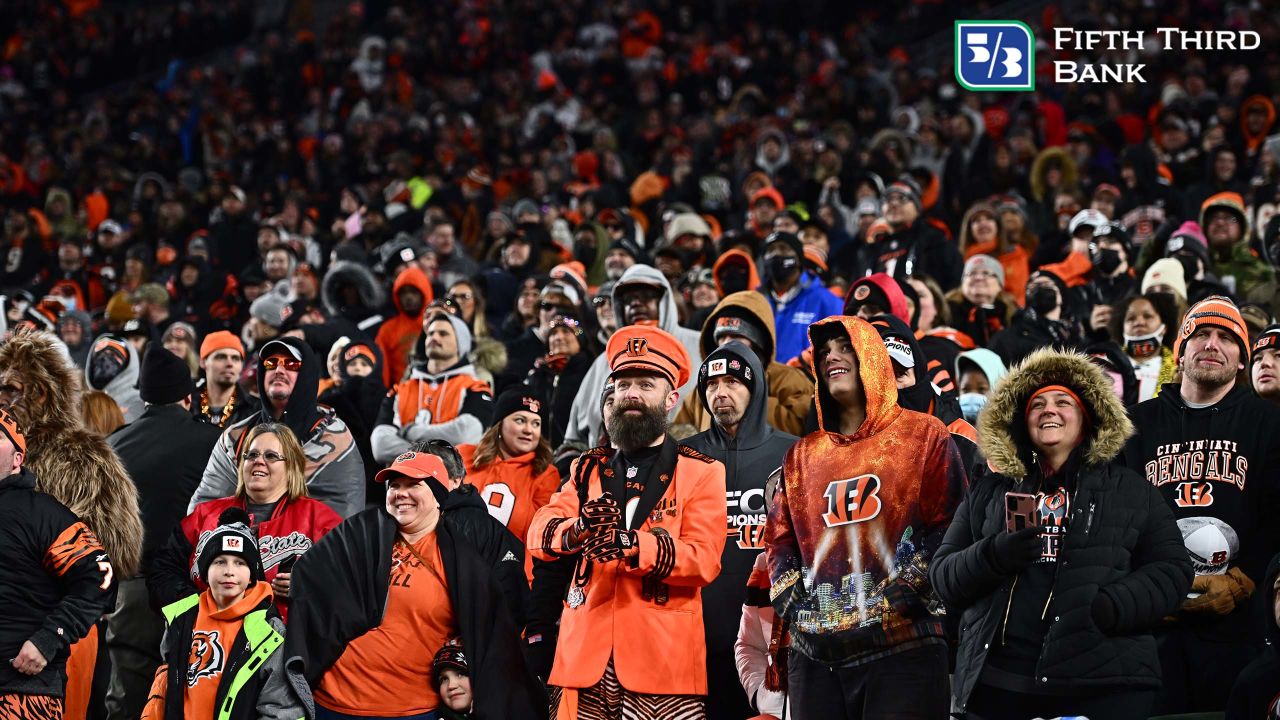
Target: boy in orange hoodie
[{"x": 221, "y": 647}]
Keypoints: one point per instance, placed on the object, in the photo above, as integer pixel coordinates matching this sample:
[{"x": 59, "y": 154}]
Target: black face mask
[
  {"x": 1042, "y": 299},
  {"x": 1107, "y": 261},
  {"x": 587, "y": 255},
  {"x": 733, "y": 279},
  {"x": 781, "y": 267},
  {"x": 1190, "y": 268}
]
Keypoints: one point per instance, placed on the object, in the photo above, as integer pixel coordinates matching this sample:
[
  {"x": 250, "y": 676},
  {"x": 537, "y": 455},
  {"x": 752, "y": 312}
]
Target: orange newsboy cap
[{"x": 645, "y": 348}]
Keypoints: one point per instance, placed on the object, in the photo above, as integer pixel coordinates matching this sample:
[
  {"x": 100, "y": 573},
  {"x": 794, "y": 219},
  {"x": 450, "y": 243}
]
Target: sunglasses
[
  {"x": 271, "y": 456},
  {"x": 276, "y": 361},
  {"x": 464, "y": 296}
]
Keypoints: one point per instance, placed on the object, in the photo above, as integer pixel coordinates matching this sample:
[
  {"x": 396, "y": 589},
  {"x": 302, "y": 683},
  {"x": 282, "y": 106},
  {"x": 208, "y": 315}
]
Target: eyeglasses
[
  {"x": 270, "y": 456},
  {"x": 601, "y": 300},
  {"x": 464, "y": 296},
  {"x": 554, "y": 306},
  {"x": 276, "y": 361}
]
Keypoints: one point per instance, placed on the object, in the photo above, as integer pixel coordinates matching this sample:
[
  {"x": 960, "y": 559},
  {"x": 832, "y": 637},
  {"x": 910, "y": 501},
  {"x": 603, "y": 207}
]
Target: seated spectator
[
  {"x": 101, "y": 413},
  {"x": 980, "y": 308},
  {"x": 977, "y": 373},
  {"x": 451, "y": 676}
]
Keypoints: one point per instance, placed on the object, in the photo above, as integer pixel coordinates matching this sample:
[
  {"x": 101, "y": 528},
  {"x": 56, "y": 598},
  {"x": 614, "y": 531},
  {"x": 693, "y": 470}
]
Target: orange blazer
[{"x": 657, "y": 647}]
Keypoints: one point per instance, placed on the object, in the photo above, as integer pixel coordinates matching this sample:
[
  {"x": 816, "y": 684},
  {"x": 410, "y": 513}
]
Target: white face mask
[{"x": 1144, "y": 346}]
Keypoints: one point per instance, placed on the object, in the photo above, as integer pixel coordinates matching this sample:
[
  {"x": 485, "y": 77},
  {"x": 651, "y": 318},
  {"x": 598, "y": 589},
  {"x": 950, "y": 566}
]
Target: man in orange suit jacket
[{"x": 646, "y": 520}]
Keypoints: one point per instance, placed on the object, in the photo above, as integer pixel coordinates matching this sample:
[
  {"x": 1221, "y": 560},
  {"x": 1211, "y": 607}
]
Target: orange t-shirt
[
  {"x": 212, "y": 638},
  {"x": 387, "y": 671}
]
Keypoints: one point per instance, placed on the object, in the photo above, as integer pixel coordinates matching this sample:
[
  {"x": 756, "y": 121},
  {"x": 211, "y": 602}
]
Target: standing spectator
[
  {"x": 151, "y": 305},
  {"x": 100, "y": 412},
  {"x": 42, "y": 391},
  {"x": 440, "y": 399},
  {"x": 356, "y": 395},
  {"x": 1057, "y": 616},
  {"x": 557, "y": 375},
  {"x": 58, "y": 581},
  {"x": 1141, "y": 326},
  {"x": 890, "y": 481},
  {"x": 1208, "y": 445},
  {"x": 410, "y": 294},
  {"x": 980, "y": 308},
  {"x": 646, "y": 522},
  {"x": 1226, "y": 227},
  {"x": 796, "y": 297},
  {"x": 914, "y": 247},
  {"x": 745, "y": 317},
  {"x": 164, "y": 452},
  {"x": 733, "y": 391},
  {"x": 272, "y": 490},
  {"x": 287, "y": 376},
  {"x": 1046, "y": 321},
  {"x": 113, "y": 368},
  {"x": 219, "y": 400},
  {"x": 1264, "y": 370},
  {"x": 981, "y": 234},
  {"x": 511, "y": 465},
  {"x": 208, "y": 635},
  {"x": 376, "y": 599},
  {"x": 1256, "y": 693}
]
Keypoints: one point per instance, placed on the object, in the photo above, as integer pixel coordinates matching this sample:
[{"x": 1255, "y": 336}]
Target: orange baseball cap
[
  {"x": 647, "y": 349},
  {"x": 417, "y": 465}
]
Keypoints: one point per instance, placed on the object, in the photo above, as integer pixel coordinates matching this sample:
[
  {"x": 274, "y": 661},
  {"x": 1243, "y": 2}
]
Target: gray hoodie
[
  {"x": 123, "y": 388},
  {"x": 585, "y": 418}
]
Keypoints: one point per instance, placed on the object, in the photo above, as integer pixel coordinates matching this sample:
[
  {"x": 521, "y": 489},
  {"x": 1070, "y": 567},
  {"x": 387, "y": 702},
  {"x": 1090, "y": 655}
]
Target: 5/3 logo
[
  {"x": 852, "y": 500},
  {"x": 995, "y": 55}
]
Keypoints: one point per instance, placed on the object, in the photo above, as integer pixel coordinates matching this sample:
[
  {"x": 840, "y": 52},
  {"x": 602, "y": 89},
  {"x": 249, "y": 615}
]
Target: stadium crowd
[{"x": 632, "y": 360}]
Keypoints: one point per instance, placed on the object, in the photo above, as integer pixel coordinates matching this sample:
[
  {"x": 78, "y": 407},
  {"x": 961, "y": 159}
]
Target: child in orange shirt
[{"x": 221, "y": 647}]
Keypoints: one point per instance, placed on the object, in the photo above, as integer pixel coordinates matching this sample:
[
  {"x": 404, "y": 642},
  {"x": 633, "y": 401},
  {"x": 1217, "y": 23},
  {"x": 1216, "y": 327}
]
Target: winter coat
[
  {"x": 1120, "y": 541},
  {"x": 858, "y": 518},
  {"x": 501, "y": 550},
  {"x": 165, "y": 452},
  {"x": 1216, "y": 467},
  {"x": 753, "y": 650},
  {"x": 522, "y": 353},
  {"x": 357, "y": 400},
  {"x": 790, "y": 392},
  {"x": 511, "y": 491},
  {"x": 637, "y": 612},
  {"x": 920, "y": 249},
  {"x": 340, "y": 589},
  {"x": 252, "y": 683},
  {"x": 1028, "y": 333},
  {"x": 806, "y": 303},
  {"x": 78, "y": 468},
  {"x": 585, "y": 420},
  {"x": 978, "y": 323},
  {"x": 398, "y": 334},
  {"x": 335, "y": 471},
  {"x": 369, "y": 293},
  {"x": 558, "y": 388},
  {"x": 294, "y": 526},
  {"x": 1257, "y": 691},
  {"x": 56, "y": 581},
  {"x": 1244, "y": 268},
  {"x": 750, "y": 457}
]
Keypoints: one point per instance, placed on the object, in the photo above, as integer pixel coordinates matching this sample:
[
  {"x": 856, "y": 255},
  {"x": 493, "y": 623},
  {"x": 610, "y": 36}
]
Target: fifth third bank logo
[{"x": 995, "y": 55}]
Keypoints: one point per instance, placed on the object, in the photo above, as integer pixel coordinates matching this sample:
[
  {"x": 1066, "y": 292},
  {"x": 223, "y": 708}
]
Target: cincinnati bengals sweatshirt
[{"x": 851, "y": 535}]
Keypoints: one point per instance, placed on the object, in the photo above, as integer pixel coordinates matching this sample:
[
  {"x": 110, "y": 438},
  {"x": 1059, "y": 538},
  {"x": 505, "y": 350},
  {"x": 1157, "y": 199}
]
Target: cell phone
[
  {"x": 286, "y": 565},
  {"x": 1020, "y": 511}
]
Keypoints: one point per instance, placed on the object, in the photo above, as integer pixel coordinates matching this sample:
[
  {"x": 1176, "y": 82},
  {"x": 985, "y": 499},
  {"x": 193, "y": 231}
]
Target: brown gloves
[{"x": 1221, "y": 593}]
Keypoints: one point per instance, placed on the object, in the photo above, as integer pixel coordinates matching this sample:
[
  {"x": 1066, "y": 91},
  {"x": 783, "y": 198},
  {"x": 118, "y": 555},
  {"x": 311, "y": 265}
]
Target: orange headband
[{"x": 1059, "y": 388}]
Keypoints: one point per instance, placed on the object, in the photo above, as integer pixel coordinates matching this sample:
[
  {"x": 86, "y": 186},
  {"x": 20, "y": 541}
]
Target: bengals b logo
[
  {"x": 1194, "y": 494},
  {"x": 751, "y": 536},
  {"x": 206, "y": 657},
  {"x": 637, "y": 346},
  {"x": 852, "y": 500}
]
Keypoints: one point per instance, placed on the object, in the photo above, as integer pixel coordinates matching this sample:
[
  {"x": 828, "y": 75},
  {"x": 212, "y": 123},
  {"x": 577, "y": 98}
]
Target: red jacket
[{"x": 291, "y": 530}]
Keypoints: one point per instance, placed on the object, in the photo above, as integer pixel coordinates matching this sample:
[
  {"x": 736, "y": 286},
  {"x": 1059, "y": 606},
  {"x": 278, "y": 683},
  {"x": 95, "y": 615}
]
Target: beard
[
  {"x": 1210, "y": 377},
  {"x": 630, "y": 432}
]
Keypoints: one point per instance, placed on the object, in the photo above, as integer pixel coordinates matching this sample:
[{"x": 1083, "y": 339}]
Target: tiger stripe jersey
[{"x": 55, "y": 583}]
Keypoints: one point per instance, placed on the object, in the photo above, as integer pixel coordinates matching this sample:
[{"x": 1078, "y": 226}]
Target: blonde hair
[
  {"x": 101, "y": 413},
  {"x": 295, "y": 462}
]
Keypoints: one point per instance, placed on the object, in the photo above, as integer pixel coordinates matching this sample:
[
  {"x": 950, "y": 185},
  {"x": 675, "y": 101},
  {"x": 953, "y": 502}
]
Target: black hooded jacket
[
  {"x": 1037, "y": 627},
  {"x": 300, "y": 412},
  {"x": 340, "y": 589},
  {"x": 1218, "y": 465},
  {"x": 749, "y": 457},
  {"x": 357, "y": 400},
  {"x": 1257, "y": 690}
]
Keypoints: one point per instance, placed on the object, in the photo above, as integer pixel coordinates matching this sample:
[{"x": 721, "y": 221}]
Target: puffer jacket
[{"x": 1121, "y": 541}]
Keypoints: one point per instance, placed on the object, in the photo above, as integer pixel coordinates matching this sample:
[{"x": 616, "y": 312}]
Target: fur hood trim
[
  {"x": 343, "y": 272},
  {"x": 490, "y": 355},
  {"x": 1002, "y": 432}
]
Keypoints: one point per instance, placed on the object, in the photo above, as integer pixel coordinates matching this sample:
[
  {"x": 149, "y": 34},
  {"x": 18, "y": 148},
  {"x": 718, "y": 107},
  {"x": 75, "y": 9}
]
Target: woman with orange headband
[{"x": 1059, "y": 560}]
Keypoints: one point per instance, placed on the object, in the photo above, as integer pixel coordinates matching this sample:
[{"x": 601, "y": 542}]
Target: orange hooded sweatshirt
[
  {"x": 858, "y": 518},
  {"x": 735, "y": 257},
  {"x": 396, "y": 336}
]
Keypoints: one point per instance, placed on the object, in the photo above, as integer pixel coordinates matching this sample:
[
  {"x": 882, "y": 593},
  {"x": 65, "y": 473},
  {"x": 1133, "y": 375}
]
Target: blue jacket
[{"x": 793, "y": 318}]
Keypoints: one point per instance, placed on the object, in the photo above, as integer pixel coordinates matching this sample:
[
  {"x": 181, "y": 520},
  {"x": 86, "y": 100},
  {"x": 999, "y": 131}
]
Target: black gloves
[
  {"x": 1017, "y": 551},
  {"x": 609, "y": 544},
  {"x": 600, "y": 513}
]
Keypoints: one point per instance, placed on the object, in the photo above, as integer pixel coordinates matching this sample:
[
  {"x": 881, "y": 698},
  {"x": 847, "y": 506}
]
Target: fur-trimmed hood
[
  {"x": 344, "y": 273},
  {"x": 1002, "y": 431},
  {"x": 76, "y": 467}
]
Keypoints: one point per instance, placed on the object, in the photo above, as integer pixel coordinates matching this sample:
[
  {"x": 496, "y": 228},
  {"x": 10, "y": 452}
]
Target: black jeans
[
  {"x": 989, "y": 703},
  {"x": 910, "y": 685}
]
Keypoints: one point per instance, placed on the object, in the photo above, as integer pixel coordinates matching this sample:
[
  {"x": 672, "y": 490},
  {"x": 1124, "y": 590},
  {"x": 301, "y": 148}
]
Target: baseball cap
[{"x": 416, "y": 465}]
